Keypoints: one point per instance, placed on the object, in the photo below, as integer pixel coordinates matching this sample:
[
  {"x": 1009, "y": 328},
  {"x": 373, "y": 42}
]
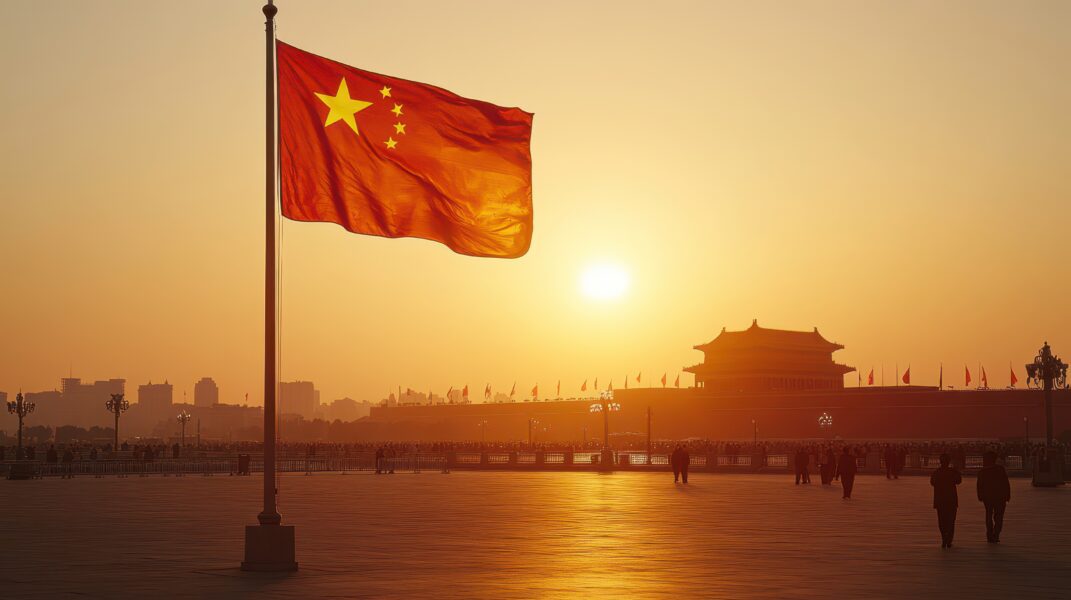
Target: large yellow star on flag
[{"x": 343, "y": 108}]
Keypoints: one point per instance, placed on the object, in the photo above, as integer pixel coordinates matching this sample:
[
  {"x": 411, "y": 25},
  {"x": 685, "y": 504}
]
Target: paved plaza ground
[{"x": 526, "y": 535}]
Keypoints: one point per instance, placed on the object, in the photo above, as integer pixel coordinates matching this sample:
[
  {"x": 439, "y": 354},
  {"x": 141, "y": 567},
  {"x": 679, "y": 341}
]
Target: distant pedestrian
[
  {"x": 891, "y": 459},
  {"x": 379, "y": 460},
  {"x": 685, "y": 458},
  {"x": 801, "y": 459},
  {"x": 68, "y": 458},
  {"x": 994, "y": 490},
  {"x": 675, "y": 463},
  {"x": 846, "y": 469},
  {"x": 829, "y": 465},
  {"x": 945, "y": 499}
]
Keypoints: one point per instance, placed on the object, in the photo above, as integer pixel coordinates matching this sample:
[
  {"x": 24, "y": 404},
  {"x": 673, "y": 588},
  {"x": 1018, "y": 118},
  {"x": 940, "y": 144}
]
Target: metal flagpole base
[{"x": 269, "y": 549}]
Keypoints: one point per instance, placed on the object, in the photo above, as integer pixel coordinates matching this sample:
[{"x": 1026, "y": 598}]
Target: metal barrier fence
[
  {"x": 231, "y": 466},
  {"x": 777, "y": 460},
  {"x": 418, "y": 462}
]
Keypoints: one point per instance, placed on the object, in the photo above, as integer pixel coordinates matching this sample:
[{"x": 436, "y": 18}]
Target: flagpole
[
  {"x": 269, "y": 546},
  {"x": 270, "y": 515}
]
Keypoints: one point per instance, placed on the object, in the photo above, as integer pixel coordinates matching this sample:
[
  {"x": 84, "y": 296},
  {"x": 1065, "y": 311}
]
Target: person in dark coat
[
  {"x": 829, "y": 466},
  {"x": 846, "y": 469},
  {"x": 945, "y": 499},
  {"x": 685, "y": 458},
  {"x": 994, "y": 490},
  {"x": 802, "y": 467},
  {"x": 891, "y": 459},
  {"x": 675, "y": 462},
  {"x": 68, "y": 459}
]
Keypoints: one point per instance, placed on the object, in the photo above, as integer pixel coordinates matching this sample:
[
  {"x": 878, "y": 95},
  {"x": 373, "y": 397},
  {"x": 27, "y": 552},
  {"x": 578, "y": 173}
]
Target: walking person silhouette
[
  {"x": 683, "y": 461},
  {"x": 945, "y": 499},
  {"x": 994, "y": 490},
  {"x": 846, "y": 469}
]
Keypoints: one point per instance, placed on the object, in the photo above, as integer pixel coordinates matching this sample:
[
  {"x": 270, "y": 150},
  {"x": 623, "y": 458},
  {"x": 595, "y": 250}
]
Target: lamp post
[
  {"x": 754, "y": 432},
  {"x": 117, "y": 406},
  {"x": 531, "y": 422},
  {"x": 825, "y": 422},
  {"x": 1051, "y": 372},
  {"x": 483, "y": 432},
  {"x": 20, "y": 407},
  {"x": 605, "y": 405},
  {"x": 183, "y": 418}
]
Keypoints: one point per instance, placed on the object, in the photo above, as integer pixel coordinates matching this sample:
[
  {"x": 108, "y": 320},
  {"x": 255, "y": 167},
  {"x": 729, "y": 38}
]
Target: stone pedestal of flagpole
[{"x": 269, "y": 548}]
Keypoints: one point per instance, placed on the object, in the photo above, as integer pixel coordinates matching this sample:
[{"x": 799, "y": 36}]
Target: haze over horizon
[{"x": 894, "y": 175}]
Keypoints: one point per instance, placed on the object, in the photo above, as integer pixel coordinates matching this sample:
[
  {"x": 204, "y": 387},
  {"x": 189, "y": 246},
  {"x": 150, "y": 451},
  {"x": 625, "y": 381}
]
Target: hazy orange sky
[{"x": 895, "y": 173}]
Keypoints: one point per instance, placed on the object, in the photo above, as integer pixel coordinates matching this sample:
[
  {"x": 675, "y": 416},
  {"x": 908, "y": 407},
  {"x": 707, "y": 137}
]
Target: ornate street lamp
[
  {"x": 183, "y": 418},
  {"x": 1050, "y": 372},
  {"x": 531, "y": 422},
  {"x": 117, "y": 406},
  {"x": 605, "y": 405},
  {"x": 825, "y": 422},
  {"x": 21, "y": 407},
  {"x": 483, "y": 432}
]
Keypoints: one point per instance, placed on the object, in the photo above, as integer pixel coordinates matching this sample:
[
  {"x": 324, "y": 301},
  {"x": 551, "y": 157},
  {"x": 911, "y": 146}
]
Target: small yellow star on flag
[
  {"x": 399, "y": 128},
  {"x": 385, "y": 91},
  {"x": 390, "y": 143},
  {"x": 397, "y": 110}
]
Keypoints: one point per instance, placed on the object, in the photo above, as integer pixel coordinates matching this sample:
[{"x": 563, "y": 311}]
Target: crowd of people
[{"x": 814, "y": 456}]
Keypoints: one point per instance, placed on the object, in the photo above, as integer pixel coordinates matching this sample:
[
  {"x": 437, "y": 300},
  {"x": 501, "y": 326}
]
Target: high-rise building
[
  {"x": 299, "y": 398},
  {"x": 82, "y": 404},
  {"x": 155, "y": 397},
  {"x": 205, "y": 392}
]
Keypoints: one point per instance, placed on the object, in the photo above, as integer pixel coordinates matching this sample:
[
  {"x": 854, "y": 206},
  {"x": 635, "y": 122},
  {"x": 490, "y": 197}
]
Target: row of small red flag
[
  {"x": 535, "y": 389},
  {"x": 906, "y": 378}
]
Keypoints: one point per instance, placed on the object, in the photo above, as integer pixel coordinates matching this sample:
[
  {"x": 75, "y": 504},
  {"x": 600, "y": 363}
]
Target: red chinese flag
[
  {"x": 985, "y": 380},
  {"x": 395, "y": 158},
  {"x": 870, "y": 378},
  {"x": 584, "y": 386},
  {"x": 677, "y": 381},
  {"x": 465, "y": 391},
  {"x": 1014, "y": 379},
  {"x": 907, "y": 376},
  {"x": 535, "y": 391},
  {"x": 968, "y": 376},
  {"x": 664, "y": 379}
]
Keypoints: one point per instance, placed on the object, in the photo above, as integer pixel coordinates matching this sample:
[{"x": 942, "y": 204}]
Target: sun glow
[{"x": 604, "y": 282}]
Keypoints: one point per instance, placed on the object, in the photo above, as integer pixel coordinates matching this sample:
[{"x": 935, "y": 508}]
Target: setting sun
[{"x": 604, "y": 282}]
